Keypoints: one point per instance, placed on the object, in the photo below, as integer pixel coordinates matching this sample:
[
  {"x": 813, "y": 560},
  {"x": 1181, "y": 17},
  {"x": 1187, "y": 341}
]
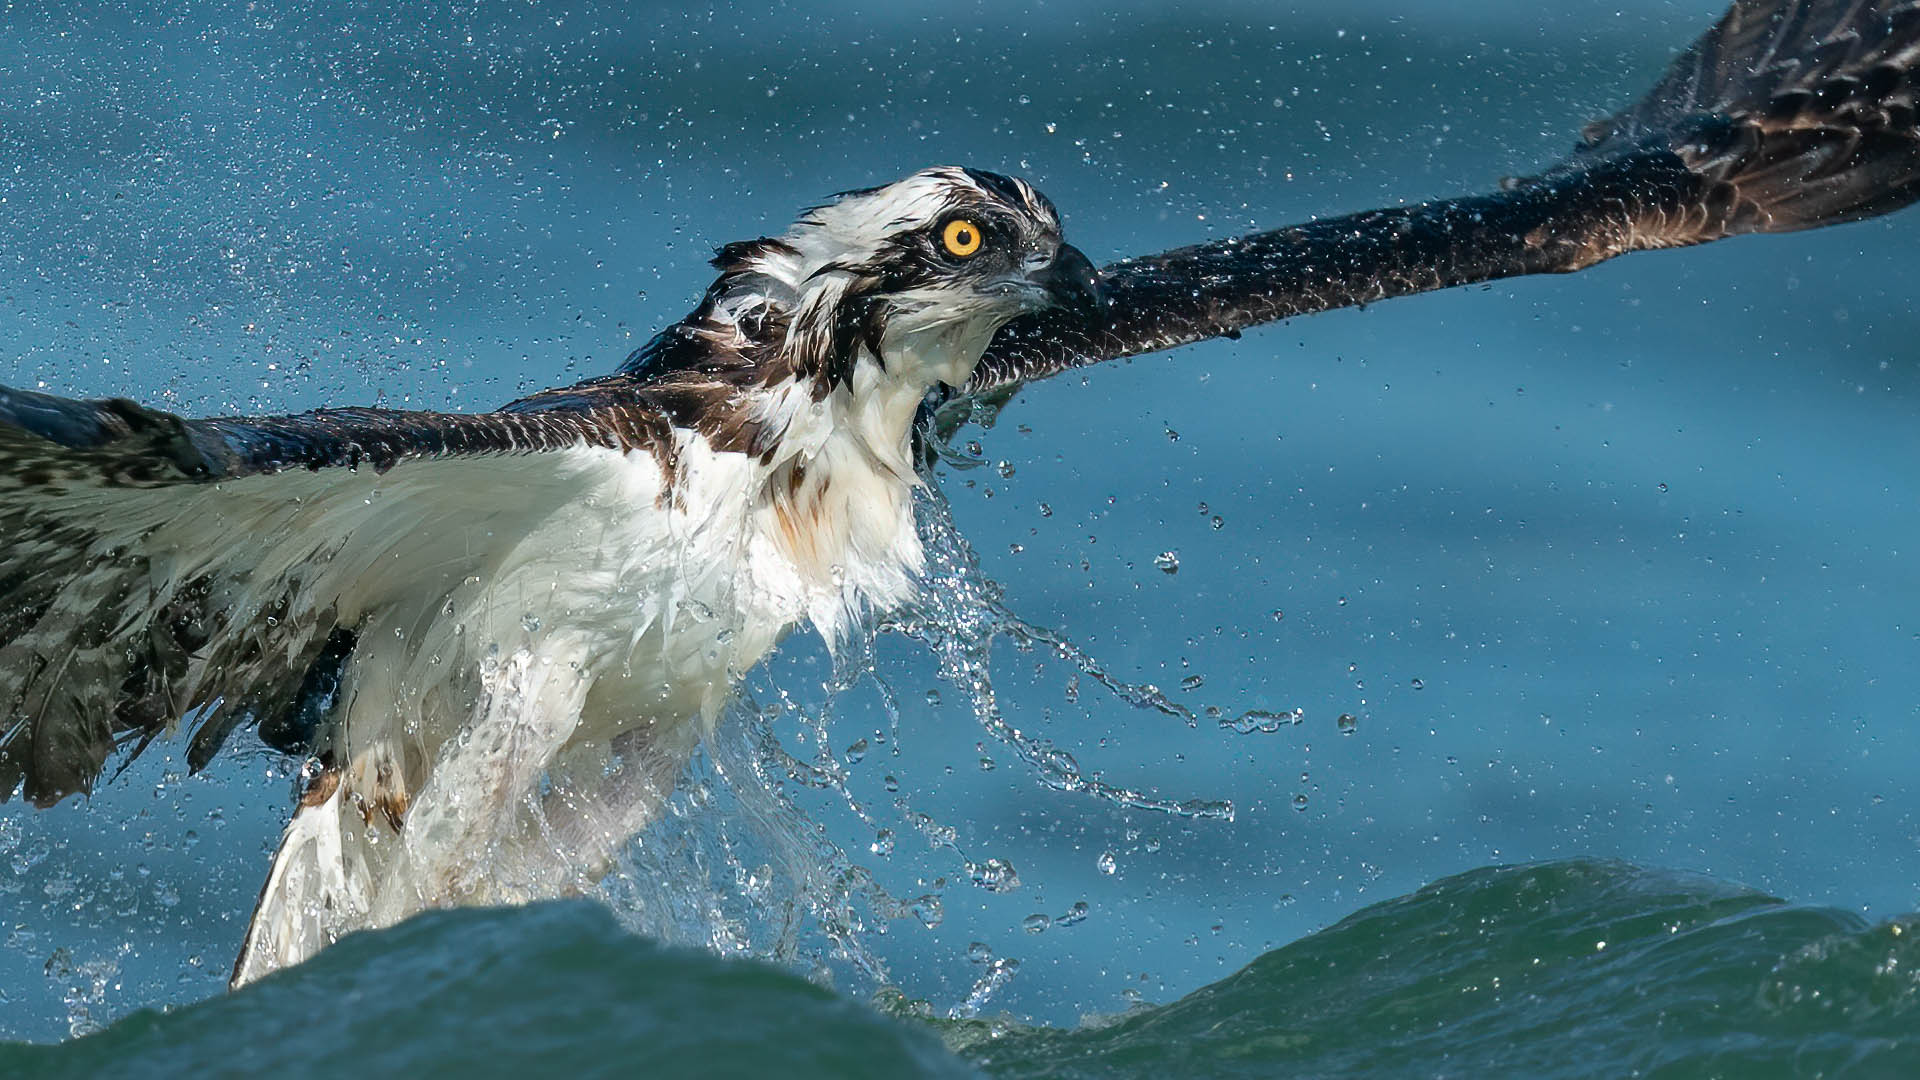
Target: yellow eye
[{"x": 962, "y": 237}]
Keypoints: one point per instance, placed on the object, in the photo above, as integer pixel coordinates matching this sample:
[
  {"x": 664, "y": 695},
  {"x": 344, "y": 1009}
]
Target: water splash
[
  {"x": 744, "y": 861},
  {"x": 85, "y": 985},
  {"x": 958, "y": 616},
  {"x": 1000, "y": 971}
]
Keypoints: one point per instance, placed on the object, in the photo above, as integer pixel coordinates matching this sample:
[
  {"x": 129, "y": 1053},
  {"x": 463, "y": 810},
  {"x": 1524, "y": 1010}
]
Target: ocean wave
[{"x": 1566, "y": 969}]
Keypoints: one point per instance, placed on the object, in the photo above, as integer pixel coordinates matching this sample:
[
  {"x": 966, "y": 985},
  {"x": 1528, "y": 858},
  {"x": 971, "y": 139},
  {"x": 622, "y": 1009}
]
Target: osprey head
[
  {"x": 814, "y": 350},
  {"x": 912, "y": 278}
]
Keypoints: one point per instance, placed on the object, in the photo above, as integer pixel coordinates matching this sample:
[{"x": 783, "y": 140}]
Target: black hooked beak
[{"x": 1071, "y": 281}]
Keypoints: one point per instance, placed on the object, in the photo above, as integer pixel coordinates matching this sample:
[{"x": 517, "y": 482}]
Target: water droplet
[
  {"x": 980, "y": 953},
  {"x": 1036, "y": 924},
  {"x": 928, "y": 910},
  {"x": 1106, "y": 863},
  {"x": 933, "y": 698},
  {"x": 758, "y": 881},
  {"x": 1076, "y": 913},
  {"x": 1418, "y": 685},
  {"x": 1279, "y": 615},
  {"x": 882, "y": 842},
  {"x": 1168, "y": 562},
  {"x": 531, "y": 622},
  {"x": 1218, "y": 523},
  {"x": 1193, "y": 682},
  {"x": 1300, "y": 802},
  {"x": 1045, "y": 510},
  {"x": 1348, "y": 723},
  {"x": 856, "y": 752},
  {"x": 1005, "y": 469},
  {"x": 1262, "y": 721},
  {"x": 994, "y": 875}
]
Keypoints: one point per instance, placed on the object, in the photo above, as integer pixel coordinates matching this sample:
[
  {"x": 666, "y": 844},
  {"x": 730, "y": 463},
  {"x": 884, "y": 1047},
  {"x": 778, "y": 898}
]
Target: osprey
[{"x": 499, "y": 637}]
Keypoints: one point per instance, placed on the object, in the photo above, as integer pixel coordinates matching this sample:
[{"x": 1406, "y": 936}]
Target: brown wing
[
  {"x": 154, "y": 568},
  {"x": 1795, "y": 115},
  {"x": 123, "y": 442},
  {"x": 1788, "y": 114}
]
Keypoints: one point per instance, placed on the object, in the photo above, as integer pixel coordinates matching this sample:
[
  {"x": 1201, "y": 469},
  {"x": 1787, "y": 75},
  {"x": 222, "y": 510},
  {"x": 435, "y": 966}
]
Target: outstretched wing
[
  {"x": 1788, "y": 114},
  {"x": 125, "y": 443},
  {"x": 154, "y": 568}
]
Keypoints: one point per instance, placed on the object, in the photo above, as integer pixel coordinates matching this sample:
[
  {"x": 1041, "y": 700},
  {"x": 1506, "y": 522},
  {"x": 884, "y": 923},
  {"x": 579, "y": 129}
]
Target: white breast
[
  {"x": 543, "y": 641},
  {"x": 658, "y": 598}
]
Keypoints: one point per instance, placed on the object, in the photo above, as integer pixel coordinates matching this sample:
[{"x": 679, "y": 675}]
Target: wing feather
[
  {"x": 1787, "y": 114},
  {"x": 154, "y": 568}
]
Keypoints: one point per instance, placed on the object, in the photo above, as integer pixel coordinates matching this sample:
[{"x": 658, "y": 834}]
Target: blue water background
[{"x": 1613, "y": 565}]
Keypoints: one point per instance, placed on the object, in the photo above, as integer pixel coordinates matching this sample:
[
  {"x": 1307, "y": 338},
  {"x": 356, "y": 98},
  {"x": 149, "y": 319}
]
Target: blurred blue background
[{"x": 1618, "y": 564}]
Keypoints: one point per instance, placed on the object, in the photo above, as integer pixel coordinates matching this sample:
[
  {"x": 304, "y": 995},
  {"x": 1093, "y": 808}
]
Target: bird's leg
[
  {"x": 528, "y": 707},
  {"x": 313, "y": 893},
  {"x": 594, "y": 807},
  {"x": 593, "y": 825}
]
